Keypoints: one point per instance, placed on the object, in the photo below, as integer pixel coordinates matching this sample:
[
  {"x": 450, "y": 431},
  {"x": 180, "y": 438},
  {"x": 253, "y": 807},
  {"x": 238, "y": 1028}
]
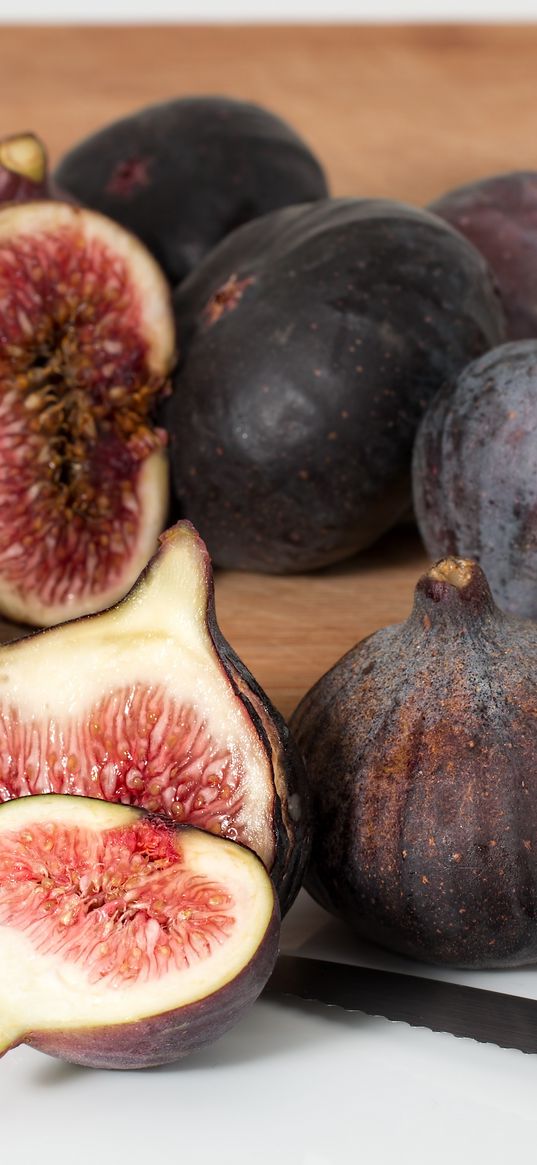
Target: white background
[{"x": 192, "y": 11}]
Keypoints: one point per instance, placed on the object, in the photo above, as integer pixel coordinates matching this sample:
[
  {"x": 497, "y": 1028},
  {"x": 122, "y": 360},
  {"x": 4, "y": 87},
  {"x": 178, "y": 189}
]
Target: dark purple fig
[
  {"x": 499, "y": 216},
  {"x": 421, "y": 751},
  {"x": 126, "y": 940},
  {"x": 311, "y": 342},
  {"x": 475, "y": 472},
  {"x": 146, "y": 704},
  {"x": 181, "y": 175},
  {"x": 87, "y": 348}
]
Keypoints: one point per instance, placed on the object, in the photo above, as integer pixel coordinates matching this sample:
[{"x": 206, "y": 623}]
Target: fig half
[
  {"x": 146, "y": 704},
  {"x": 125, "y": 941},
  {"x": 87, "y": 344}
]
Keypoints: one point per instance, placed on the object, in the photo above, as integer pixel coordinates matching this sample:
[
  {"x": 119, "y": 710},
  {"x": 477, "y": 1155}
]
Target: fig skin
[
  {"x": 184, "y": 173},
  {"x": 420, "y": 747},
  {"x": 475, "y": 472},
  {"x": 311, "y": 342},
  {"x": 499, "y": 216}
]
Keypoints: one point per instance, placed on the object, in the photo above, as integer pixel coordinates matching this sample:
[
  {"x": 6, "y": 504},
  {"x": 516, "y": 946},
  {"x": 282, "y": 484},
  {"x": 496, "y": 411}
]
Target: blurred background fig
[
  {"x": 475, "y": 472},
  {"x": 311, "y": 341},
  {"x": 499, "y": 216},
  {"x": 184, "y": 173},
  {"x": 420, "y": 747}
]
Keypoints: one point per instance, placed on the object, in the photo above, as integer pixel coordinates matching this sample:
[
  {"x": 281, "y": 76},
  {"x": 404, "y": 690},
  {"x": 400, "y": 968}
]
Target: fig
[
  {"x": 24, "y": 169},
  {"x": 146, "y": 704},
  {"x": 87, "y": 345},
  {"x": 182, "y": 174},
  {"x": 475, "y": 472},
  {"x": 499, "y": 216},
  {"x": 420, "y": 747},
  {"x": 126, "y": 941},
  {"x": 312, "y": 340}
]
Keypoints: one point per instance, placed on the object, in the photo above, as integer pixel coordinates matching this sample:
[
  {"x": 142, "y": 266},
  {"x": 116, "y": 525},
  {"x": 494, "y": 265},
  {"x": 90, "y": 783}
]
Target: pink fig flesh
[{"x": 133, "y": 941}]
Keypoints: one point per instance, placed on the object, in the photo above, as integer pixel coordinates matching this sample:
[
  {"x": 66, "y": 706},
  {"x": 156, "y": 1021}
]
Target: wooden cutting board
[{"x": 402, "y": 112}]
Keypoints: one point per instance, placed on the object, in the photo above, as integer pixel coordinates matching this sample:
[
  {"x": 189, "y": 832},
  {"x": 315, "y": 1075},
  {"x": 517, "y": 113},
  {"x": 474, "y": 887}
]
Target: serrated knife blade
[{"x": 491, "y": 1017}]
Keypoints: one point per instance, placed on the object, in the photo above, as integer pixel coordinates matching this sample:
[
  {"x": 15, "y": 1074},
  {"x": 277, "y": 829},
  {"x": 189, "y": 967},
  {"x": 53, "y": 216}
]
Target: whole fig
[
  {"x": 421, "y": 747},
  {"x": 311, "y": 342},
  {"x": 499, "y": 216},
  {"x": 475, "y": 472}
]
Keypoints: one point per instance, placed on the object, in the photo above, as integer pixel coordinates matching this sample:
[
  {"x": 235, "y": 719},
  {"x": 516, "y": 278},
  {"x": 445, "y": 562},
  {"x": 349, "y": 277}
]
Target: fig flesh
[
  {"x": 499, "y": 216},
  {"x": 87, "y": 348},
  {"x": 475, "y": 472},
  {"x": 146, "y": 704},
  {"x": 420, "y": 747},
  {"x": 182, "y": 174},
  {"x": 311, "y": 341},
  {"x": 126, "y": 941}
]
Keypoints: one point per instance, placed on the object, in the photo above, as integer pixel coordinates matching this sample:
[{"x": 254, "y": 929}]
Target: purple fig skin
[
  {"x": 311, "y": 342},
  {"x": 499, "y": 216},
  {"x": 475, "y": 472},
  {"x": 166, "y": 1038},
  {"x": 184, "y": 173},
  {"x": 421, "y": 747}
]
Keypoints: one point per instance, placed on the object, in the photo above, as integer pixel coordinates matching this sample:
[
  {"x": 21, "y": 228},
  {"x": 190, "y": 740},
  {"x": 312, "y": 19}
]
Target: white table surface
[{"x": 293, "y": 1082}]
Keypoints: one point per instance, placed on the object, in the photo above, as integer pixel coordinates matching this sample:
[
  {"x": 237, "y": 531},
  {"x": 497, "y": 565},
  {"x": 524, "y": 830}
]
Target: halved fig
[
  {"x": 87, "y": 343},
  {"x": 125, "y": 941},
  {"x": 147, "y": 704}
]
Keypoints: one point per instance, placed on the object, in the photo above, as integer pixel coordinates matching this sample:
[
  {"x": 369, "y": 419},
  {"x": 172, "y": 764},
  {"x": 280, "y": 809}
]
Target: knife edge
[{"x": 509, "y": 1021}]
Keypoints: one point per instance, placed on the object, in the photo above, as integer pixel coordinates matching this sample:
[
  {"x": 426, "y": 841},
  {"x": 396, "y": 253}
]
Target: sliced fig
[
  {"x": 126, "y": 941},
  {"x": 87, "y": 346},
  {"x": 146, "y": 704}
]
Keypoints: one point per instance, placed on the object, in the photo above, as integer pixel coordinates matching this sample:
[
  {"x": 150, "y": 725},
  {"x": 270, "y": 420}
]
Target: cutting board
[{"x": 402, "y": 112}]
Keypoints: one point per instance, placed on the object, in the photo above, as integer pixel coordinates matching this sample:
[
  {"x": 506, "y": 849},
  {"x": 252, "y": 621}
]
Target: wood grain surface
[{"x": 403, "y": 112}]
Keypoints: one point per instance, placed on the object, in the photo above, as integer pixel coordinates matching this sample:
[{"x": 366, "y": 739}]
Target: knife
[{"x": 510, "y": 1021}]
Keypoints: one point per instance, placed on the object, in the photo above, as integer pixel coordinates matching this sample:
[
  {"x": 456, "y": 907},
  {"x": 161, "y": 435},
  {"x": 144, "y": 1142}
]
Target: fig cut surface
[
  {"x": 125, "y": 940},
  {"x": 87, "y": 348},
  {"x": 145, "y": 704}
]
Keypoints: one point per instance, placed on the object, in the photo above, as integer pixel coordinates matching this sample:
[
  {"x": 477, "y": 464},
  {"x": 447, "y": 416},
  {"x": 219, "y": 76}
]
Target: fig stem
[
  {"x": 458, "y": 572},
  {"x": 24, "y": 154}
]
